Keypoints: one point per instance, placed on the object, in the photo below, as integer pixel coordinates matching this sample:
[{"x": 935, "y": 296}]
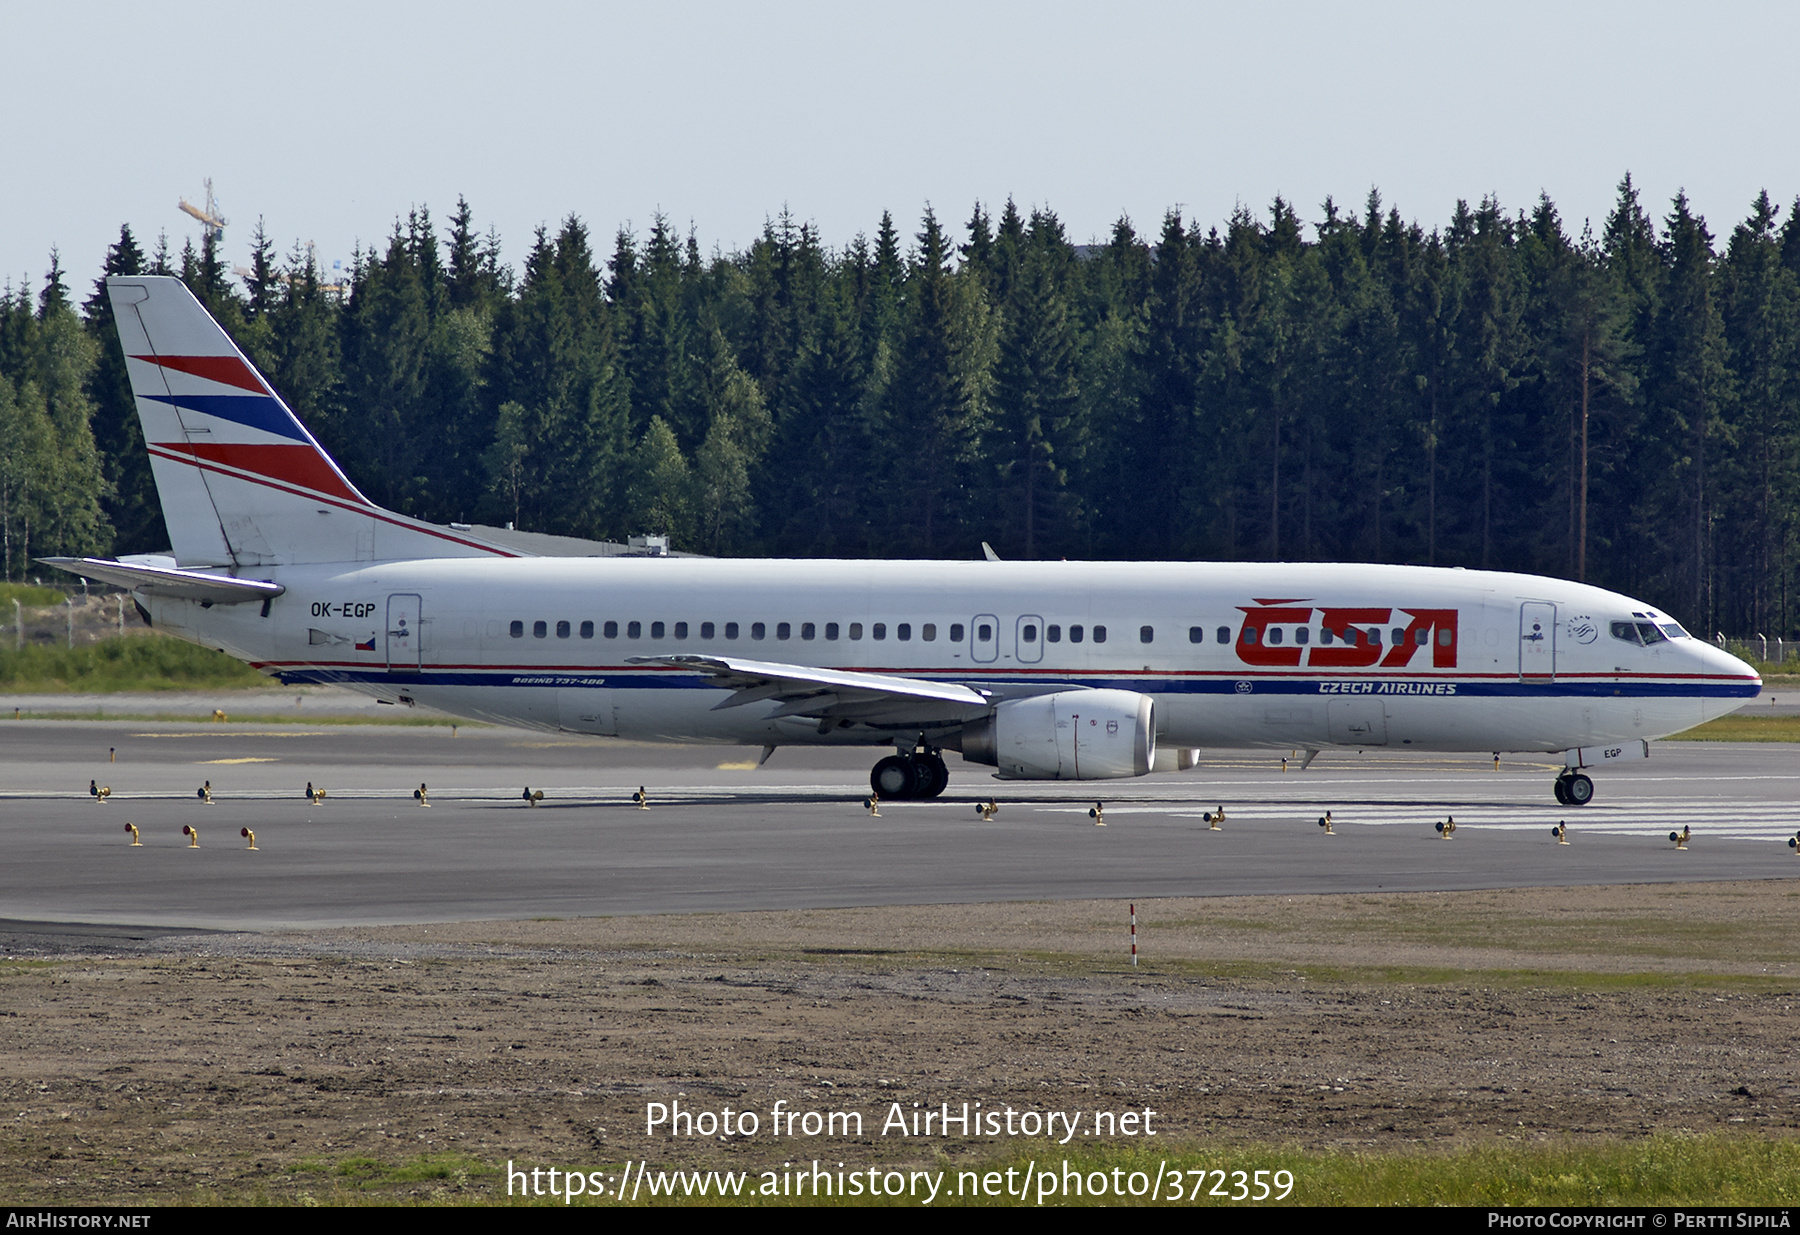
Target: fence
[{"x": 1763, "y": 649}]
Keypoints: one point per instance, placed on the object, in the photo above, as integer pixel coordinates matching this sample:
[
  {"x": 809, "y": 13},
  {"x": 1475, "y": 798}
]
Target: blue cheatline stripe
[
  {"x": 1415, "y": 688},
  {"x": 252, "y": 411}
]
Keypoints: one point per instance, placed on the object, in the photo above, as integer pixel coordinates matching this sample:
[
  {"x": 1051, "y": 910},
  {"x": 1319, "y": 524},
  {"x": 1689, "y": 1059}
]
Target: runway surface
[{"x": 722, "y": 834}]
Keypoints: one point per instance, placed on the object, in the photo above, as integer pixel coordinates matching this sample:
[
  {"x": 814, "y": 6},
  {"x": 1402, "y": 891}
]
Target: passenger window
[
  {"x": 956, "y": 632},
  {"x": 587, "y": 630},
  {"x": 1301, "y": 636},
  {"x": 1275, "y": 635},
  {"x": 706, "y": 630},
  {"x": 681, "y": 630},
  {"x": 633, "y": 629},
  {"x": 731, "y": 630},
  {"x": 539, "y": 629},
  {"x": 807, "y": 630},
  {"x": 928, "y": 632},
  {"x": 1325, "y": 637},
  {"x": 562, "y": 630},
  {"x": 1375, "y": 636},
  {"x": 831, "y": 630},
  {"x": 984, "y": 633},
  {"x": 1250, "y": 635},
  {"x": 1196, "y": 634},
  {"x": 903, "y": 631},
  {"x": 1099, "y": 634},
  {"x": 757, "y": 630},
  {"x": 518, "y": 630},
  {"x": 1074, "y": 634},
  {"x": 656, "y": 630},
  {"x": 610, "y": 630},
  {"x": 1224, "y": 634},
  {"x": 856, "y": 630},
  {"x": 1397, "y": 636},
  {"x": 1029, "y": 634},
  {"x": 1146, "y": 634},
  {"x": 783, "y": 630},
  {"x": 1052, "y": 634},
  {"x": 880, "y": 630},
  {"x": 1421, "y": 637},
  {"x": 1444, "y": 636}
]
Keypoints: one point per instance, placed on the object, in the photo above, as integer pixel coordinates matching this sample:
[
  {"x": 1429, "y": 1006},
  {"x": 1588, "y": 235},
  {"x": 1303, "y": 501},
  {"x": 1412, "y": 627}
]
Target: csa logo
[{"x": 1350, "y": 638}]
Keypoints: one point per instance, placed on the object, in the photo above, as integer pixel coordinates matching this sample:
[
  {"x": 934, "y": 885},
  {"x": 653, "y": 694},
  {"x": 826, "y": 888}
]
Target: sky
[{"x": 330, "y": 120}]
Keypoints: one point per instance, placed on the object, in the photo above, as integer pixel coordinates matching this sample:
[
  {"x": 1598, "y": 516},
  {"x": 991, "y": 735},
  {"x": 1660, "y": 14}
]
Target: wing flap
[{"x": 801, "y": 690}]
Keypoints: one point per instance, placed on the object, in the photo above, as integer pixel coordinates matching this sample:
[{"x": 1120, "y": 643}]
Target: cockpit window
[
  {"x": 1650, "y": 633},
  {"x": 1673, "y": 630},
  {"x": 1626, "y": 631}
]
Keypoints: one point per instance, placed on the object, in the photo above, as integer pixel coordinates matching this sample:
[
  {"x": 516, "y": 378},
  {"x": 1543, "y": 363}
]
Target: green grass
[
  {"x": 1663, "y": 1170},
  {"x": 29, "y": 596},
  {"x": 1667, "y": 1169},
  {"x": 371, "y": 1173},
  {"x": 129, "y": 663},
  {"x": 1743, "y": 727}
]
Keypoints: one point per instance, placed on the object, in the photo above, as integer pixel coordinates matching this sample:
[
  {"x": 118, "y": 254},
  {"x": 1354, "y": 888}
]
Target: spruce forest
[{"x": 1496, "y": 392}]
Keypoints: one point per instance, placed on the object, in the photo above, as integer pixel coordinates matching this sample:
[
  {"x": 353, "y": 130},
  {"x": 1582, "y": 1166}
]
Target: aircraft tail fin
[{"x": 242, "y": 482}]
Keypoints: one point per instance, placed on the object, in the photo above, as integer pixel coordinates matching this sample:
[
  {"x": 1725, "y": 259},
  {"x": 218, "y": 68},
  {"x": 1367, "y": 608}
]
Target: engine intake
[{"x": 1070, "y": 735}]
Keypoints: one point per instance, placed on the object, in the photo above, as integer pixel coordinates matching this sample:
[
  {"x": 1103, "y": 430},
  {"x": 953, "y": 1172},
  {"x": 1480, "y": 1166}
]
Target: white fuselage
[{"x": 1234, "y": 655}]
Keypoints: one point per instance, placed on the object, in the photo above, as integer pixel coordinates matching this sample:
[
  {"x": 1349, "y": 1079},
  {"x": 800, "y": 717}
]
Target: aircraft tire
[
  {"x": 931, "y": 777},
  {"x": 1561, "y": 789},
  {"x": 1580, "y": 790},
  {"x": 892, "y": 779},
  {"x": 918, "y": 768}
]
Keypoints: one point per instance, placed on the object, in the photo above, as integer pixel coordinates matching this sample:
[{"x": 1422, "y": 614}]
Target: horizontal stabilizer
[{"x": 168, "y": 580}]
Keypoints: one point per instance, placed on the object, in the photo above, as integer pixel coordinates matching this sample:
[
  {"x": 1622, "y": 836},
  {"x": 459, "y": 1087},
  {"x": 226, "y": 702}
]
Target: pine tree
[
  {"x": 1036, "y": 432},
  {"x": 659, "y": 495},
  {"x": 937, "y": 401},
  {"x": 1760, "y": 312},
  {"x": 132, "y": 507},
  {"x": 1689, "y": 392}
]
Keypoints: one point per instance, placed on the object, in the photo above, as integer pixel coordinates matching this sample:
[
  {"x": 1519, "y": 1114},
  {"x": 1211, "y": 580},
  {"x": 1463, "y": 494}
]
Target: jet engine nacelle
[{"x": 1071, "y": 735}]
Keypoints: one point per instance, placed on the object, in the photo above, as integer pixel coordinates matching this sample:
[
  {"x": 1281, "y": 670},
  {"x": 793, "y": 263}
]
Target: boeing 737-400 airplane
[{"x": 1040, "y": 670}]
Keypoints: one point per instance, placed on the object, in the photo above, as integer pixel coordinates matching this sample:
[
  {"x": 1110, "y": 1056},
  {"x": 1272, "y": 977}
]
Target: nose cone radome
[{"x": 1728, "y": 683}]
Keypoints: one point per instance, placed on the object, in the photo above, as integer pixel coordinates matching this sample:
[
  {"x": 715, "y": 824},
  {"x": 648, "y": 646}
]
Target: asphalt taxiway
[{"x": 723, "y": 834}]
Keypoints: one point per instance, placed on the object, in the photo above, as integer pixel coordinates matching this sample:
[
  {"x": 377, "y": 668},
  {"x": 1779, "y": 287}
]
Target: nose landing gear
[
  {"x": 921, "y": 774},
  {"x": 1574, "y": 789}
]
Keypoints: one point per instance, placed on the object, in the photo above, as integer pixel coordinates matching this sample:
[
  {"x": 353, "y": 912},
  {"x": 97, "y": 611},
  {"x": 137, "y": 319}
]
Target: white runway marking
[{"x": 1772, "y": 821}]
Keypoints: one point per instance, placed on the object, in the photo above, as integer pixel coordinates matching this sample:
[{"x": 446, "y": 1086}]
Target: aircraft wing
[
  {"x": 832, "y": 694},
  {"x": 169, "y": 580}
]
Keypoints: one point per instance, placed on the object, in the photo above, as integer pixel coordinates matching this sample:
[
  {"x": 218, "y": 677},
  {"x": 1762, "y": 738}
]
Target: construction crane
[{"x": 210, "y": 219}]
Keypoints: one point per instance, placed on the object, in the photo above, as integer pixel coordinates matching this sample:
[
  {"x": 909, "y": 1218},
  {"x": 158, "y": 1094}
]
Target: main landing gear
[
  {"x": 1574, "y": 789},
  {"x": 918, "y": 775}
]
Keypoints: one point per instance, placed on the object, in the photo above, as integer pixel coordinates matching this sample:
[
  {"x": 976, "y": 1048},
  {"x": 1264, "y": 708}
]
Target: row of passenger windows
[
  {"x": 984, "y": 632},
  {"x": 902, "y": 631}
]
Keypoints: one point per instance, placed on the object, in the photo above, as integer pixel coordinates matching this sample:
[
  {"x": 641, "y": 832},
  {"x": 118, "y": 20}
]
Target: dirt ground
[{"x": 417, "y": 1061}]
